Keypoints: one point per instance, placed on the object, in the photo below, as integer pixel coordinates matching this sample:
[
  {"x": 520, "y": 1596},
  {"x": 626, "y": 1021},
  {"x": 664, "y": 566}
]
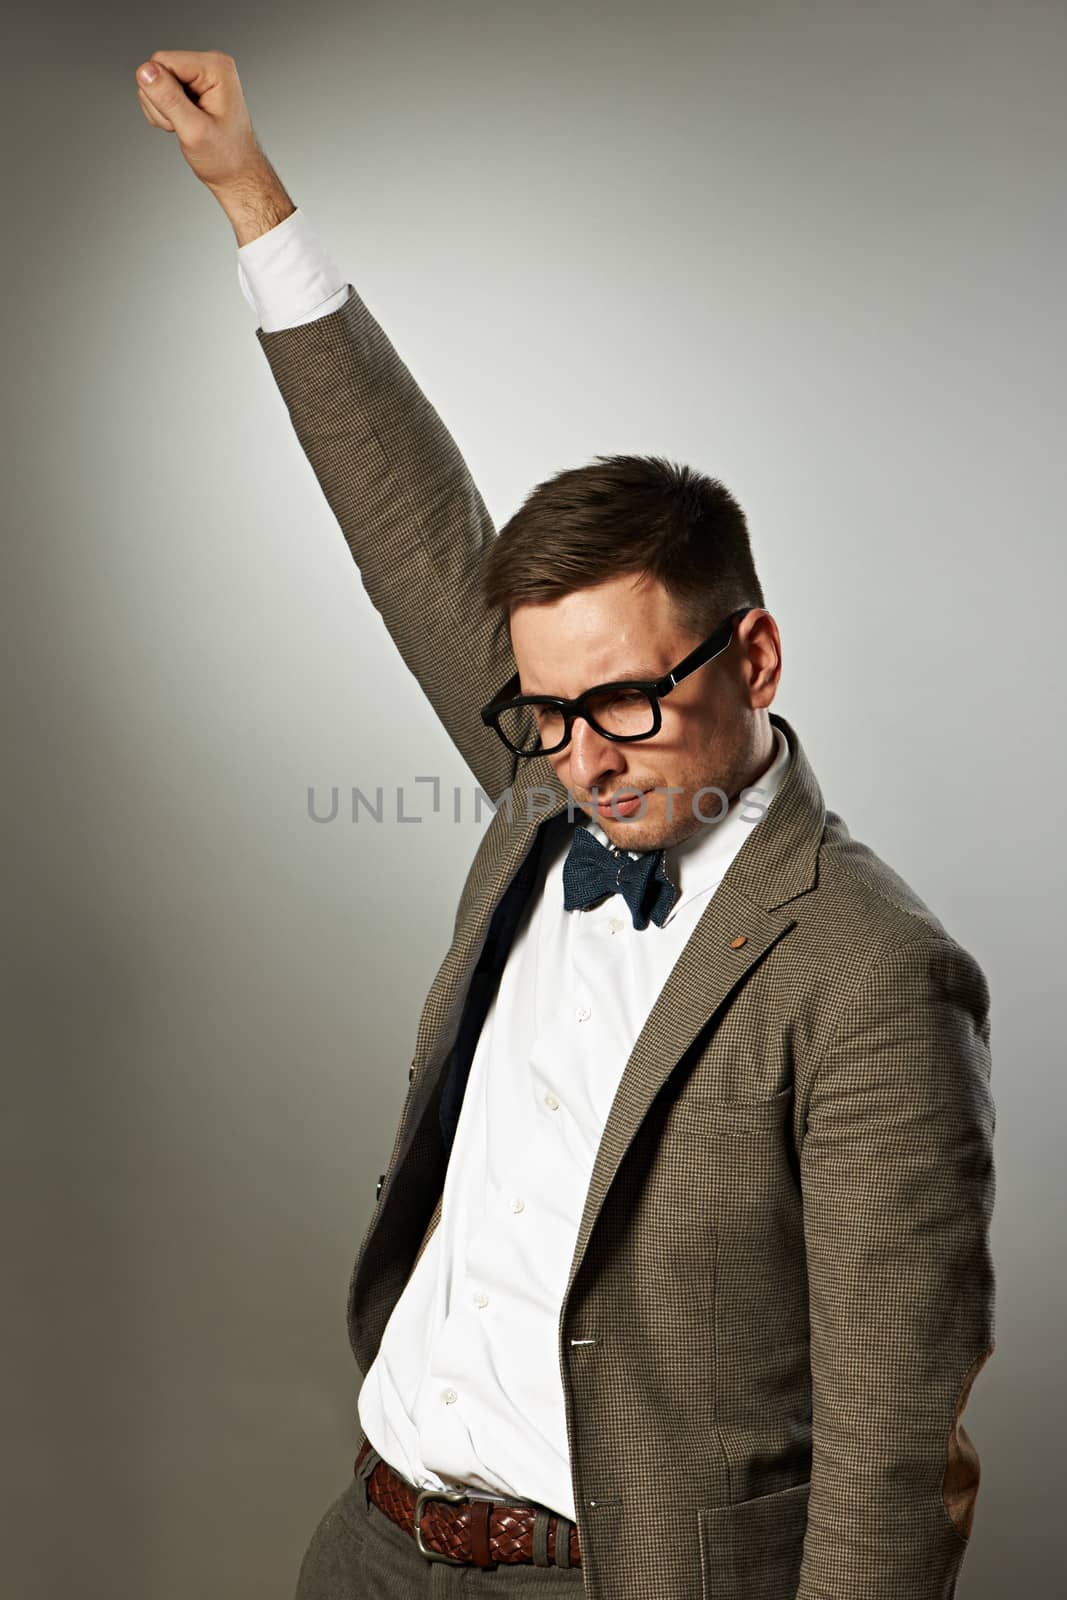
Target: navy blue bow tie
[{"x": 591, "y": 871}]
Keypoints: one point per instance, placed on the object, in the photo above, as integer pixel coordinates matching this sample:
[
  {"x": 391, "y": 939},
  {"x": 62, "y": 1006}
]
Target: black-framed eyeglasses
[{"x": 539, "y": 724}]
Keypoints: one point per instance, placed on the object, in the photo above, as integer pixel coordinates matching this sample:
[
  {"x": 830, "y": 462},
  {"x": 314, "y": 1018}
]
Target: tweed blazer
[{"x": 782, "y": 1287}]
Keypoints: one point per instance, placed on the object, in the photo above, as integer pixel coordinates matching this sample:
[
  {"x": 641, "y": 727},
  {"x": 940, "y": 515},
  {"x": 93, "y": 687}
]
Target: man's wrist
[{"x": 255, "y": 202}]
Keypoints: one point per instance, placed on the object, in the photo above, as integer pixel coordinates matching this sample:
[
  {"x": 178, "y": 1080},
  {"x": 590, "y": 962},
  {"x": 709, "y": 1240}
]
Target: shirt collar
[{"x": 699, "y": 864}]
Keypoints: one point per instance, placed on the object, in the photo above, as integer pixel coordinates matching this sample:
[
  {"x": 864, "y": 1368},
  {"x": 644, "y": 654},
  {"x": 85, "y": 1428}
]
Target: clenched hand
[{"x": 197, "y": 96}]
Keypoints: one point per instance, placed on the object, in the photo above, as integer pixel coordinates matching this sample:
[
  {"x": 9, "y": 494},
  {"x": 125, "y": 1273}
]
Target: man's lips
[{"x": 622, "y": 803}]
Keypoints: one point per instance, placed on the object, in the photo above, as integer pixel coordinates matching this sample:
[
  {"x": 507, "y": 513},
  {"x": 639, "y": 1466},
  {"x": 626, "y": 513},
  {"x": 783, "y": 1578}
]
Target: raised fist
[{"x": 197, "y": 95}]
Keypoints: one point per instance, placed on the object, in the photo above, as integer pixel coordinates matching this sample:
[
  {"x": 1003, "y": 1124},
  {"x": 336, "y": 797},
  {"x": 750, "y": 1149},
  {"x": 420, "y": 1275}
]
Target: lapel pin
[{"x": 735, "y": 944}]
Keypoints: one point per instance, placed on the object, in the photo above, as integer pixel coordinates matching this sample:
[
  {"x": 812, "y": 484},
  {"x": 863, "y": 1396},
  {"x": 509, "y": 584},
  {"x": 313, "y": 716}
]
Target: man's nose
[{"x": 592, "y": 756}]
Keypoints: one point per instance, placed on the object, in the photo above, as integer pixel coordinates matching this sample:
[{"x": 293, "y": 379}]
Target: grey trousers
[{"x": 358, "y": 1553}]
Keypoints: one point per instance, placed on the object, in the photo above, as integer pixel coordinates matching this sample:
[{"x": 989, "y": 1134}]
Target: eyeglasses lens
[{"x": 626, "y": 713}]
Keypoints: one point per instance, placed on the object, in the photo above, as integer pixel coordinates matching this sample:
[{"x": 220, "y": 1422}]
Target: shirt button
[
  {"x": 616, "y": 924},
  {"x": 448, "y": 1396},
  {"x": 583, "y": 1013},
  {"x": 551, "y": 1102},
  {"x": 518, "y": 1205},
  {"x": 481, "y": 1299}
]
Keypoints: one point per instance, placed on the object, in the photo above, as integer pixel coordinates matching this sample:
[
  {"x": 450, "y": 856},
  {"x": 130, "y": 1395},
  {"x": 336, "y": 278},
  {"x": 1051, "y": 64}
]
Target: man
[{"x": 679, "y": 1277}]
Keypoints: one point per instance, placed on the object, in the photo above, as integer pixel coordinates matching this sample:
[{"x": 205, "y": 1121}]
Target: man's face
[{"x": 712, "y": 731}]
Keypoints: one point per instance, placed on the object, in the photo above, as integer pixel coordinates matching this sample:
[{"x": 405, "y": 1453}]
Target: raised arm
[
  {"x": 410, "y": 513},
  {"x": 391, "y": 472}
]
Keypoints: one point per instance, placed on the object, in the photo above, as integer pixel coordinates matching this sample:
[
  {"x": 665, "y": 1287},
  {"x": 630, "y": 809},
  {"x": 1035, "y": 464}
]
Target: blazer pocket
[
  {"x": 752, "y": 1549},
  {"x": 700, "y": 1113}
]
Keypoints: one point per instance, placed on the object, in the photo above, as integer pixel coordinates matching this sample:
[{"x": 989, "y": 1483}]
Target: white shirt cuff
[{"x": 287, "y": 275}]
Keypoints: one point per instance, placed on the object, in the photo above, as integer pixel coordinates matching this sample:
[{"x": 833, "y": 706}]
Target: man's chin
[{"x": 648, "y": 833}]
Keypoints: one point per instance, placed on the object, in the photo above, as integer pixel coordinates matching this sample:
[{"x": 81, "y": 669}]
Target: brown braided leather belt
[{"x": 448, "y": 1526}]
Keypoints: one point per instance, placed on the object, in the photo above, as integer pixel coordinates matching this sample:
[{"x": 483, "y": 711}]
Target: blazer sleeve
[
  {"x": 409, "y": 511},
  {"x": 898, "y": 1184}
]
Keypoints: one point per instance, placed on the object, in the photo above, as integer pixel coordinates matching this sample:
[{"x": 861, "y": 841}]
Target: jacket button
[
  {"x": 381, "y": 1180},
  {"x": 411, "y": 1071}
]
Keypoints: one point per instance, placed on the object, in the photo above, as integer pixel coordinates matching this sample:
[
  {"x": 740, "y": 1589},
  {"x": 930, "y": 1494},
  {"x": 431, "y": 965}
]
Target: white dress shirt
[{"x": 466, "y": 1387}]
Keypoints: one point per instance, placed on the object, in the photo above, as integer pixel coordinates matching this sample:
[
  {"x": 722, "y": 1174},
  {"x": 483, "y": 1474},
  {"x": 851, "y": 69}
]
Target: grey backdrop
[{"x": 817, "y": 250}]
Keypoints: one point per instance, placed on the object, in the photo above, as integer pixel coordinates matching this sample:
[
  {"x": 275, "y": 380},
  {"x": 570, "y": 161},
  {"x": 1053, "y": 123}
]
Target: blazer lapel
[
  {"x": 740, "y": 923},
  {"x": 708, "y": 969}
]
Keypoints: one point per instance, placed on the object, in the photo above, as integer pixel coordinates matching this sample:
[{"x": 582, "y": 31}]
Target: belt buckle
[{"x": 421, "y": 1498}]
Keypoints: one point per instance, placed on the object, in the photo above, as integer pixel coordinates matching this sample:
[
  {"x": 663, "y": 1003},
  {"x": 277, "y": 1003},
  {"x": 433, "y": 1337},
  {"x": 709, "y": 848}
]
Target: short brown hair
[{"x": 623, "y": 513}]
